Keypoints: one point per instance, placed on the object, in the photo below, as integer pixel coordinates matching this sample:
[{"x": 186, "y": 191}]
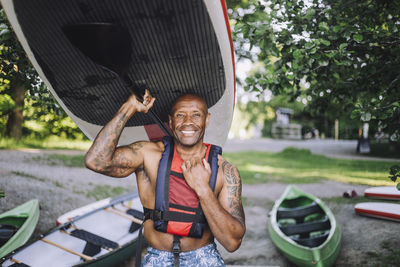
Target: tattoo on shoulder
[
  {"x": 234, "y": 188},
  {"x": 135, "y": 147}
]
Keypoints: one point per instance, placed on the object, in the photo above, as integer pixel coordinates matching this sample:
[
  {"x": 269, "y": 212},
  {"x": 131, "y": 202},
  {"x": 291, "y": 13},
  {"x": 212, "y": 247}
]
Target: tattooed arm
[
  {"x": 225, "y": 215},
  {"x": 104, "y": 156}
]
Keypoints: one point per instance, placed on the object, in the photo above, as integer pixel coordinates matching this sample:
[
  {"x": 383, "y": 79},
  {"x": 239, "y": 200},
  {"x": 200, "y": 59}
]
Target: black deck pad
[
  {"x": 174, "y": 51},
  {"x": 299, "y": 213},
  {"x": 19, "y": 265},
  {"x": 136, "y": 213},
  {"x": 6, "y": 232},
  {"x": 312, "y": 242},
  {"x": 91, "y": 249},
  {"x": 94, "y": 239},
  {"x": 306, "y": 228}
]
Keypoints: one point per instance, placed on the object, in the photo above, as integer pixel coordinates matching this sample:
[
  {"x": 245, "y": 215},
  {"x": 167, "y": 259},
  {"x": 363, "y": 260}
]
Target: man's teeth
[{"x": 188, "y": 132}]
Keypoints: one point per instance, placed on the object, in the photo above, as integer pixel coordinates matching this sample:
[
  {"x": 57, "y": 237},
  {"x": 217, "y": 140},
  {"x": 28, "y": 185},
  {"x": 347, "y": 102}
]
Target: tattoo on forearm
[{"x": 234, "y": 187}]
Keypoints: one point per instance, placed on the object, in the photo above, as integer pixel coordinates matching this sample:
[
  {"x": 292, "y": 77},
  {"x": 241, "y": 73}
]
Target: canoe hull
[
  {"x": 322, "y": 255},
  {"x": 111, "y": 225},
  {"x": 29, "y": 212}
]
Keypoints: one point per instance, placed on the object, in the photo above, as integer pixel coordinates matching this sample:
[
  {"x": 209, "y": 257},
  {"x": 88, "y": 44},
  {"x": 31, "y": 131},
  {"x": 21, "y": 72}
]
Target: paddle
[
  {"x": 131, "y": 218},
  {"x": 83, "y": 256},
  {"x": 109, "y": 46}
]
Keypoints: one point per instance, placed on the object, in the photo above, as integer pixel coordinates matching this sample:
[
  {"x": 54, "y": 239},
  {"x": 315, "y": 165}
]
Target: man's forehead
[{"x": 190, "y": 101}]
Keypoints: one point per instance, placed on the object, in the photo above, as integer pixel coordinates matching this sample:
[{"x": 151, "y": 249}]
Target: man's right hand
[{"x": 144, "y": 106}]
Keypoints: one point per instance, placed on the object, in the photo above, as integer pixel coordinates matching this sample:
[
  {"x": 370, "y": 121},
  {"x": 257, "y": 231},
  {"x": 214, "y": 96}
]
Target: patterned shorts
[{"x": 202, "y": 257}]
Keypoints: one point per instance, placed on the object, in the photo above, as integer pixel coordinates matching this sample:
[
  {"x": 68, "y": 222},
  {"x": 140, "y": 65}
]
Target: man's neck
[{"x": 188, "y": 152}]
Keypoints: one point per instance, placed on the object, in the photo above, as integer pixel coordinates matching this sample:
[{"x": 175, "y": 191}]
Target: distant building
[{"x": 282, "y": 128}]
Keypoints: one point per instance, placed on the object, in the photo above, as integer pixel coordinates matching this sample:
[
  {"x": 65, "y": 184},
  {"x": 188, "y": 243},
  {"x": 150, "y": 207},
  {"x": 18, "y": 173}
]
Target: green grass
[
  {"x": 104, "y": 191},
  {"x": 301, "y": 166},
  {"x": 29, "y": 176},
  {"x": 59, "y": 159},
  {"x": 52, "y": 142}
]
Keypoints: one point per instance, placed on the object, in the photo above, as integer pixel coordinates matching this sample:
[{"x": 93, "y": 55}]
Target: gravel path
[{"x": 30, "y": 174}]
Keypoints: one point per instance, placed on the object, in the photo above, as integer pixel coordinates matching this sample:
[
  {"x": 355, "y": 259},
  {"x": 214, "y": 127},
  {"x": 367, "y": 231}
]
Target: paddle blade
[{"x": 106, "y": 44}]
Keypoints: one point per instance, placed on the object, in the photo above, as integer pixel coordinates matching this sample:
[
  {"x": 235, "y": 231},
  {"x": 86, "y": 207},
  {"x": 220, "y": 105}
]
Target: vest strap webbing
[
  {"x": 176, "y": 249},
  {"x": 158, "y": 215}
]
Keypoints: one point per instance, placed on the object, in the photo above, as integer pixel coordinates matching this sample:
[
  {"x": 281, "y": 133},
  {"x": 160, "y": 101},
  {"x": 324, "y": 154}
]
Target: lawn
[
  {"x": 292, "y": 165},
  {"x": 301, "y": 166}
]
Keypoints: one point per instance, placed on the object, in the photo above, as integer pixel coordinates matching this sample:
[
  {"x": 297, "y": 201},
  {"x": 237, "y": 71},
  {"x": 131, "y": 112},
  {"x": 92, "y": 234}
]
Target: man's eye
[
  {"x": 196, "y": 115},
  {"x": 179, "y": 115}
]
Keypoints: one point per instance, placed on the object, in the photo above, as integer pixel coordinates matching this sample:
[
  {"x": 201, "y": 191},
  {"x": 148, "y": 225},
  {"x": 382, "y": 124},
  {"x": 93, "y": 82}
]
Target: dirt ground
[{"x": 29, "y": 174}]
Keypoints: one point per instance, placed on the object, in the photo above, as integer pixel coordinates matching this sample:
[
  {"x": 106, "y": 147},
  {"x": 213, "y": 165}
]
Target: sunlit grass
[
  {"x": 301, "y": 166},
  {"x": 52, "y": 142}
]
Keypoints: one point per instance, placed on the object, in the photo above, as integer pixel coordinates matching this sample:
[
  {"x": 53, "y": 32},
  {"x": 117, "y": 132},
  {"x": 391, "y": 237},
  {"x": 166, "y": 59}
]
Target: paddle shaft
[
  {"x": 133, "y": 219},
  {"x": 83, "y": 256}
]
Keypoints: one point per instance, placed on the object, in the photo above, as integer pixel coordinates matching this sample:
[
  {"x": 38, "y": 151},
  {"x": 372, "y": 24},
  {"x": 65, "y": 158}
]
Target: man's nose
[{"x": 187, "y": 120}]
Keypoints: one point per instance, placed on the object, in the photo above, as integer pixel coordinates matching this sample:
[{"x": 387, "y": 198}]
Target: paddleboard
[
  {"x": 383, "y": 192},
  {"x": 176, "y": 47},
  {"x": 387, "y": 211}
]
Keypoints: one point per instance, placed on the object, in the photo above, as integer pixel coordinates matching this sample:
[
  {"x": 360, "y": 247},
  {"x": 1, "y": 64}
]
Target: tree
[
  {"x": 18, "y": 79},
  {"x": 336, "y": 53}
]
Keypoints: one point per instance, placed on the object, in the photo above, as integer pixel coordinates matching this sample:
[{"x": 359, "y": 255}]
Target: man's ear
[
  {"x": 170, "y": 121},
  {"x": 207, "y": 119}
]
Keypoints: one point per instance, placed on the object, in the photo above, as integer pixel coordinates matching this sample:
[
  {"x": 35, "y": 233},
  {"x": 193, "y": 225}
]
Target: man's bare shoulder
[
  {"x": 147, "y": 147},
  {"x": 229, "y": 170}
]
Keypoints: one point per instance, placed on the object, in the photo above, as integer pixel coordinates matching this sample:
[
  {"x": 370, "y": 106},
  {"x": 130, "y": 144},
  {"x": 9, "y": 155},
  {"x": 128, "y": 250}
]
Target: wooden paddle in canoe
[
  {"x": 105, "y": 236},
  {"x": 17, "y": 226},
  {"x": 304, "y": 229}
]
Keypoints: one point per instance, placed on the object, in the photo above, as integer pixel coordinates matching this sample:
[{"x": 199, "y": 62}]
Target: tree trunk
[{"x": 15, "y": 118}]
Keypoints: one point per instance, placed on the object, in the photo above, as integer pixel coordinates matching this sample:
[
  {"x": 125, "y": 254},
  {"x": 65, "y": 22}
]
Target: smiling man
[{"x": 189, "y": 192}]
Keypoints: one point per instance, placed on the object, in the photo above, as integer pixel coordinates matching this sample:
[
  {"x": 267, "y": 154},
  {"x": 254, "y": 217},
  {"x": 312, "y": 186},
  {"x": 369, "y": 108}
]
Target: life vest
[{"x": 177, "y": 206}]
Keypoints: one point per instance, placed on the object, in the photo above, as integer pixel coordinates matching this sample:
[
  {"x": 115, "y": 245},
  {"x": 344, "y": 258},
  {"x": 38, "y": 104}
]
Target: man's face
[{"x": 189, "y": 119}]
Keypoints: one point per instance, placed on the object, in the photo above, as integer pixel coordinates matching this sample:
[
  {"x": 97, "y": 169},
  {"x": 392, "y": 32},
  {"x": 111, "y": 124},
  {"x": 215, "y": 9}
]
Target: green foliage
[
  {"x": 50, "y": 142},
  {"x": 2, "y": 194},
  {"x": 342, "y": 56},
  {"x": 294, "y": 165},
  {"x": 394, "y": 174}
]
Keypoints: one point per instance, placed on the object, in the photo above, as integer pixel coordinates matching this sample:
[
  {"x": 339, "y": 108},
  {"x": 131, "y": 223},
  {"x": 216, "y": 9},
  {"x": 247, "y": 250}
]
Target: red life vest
[{"x": 177, "y": 207}]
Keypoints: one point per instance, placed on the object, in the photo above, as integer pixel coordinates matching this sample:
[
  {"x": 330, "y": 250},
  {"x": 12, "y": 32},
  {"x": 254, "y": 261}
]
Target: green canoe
[
  {"x": 304, "y": 229},
  {"x": 17, "y": 226}
]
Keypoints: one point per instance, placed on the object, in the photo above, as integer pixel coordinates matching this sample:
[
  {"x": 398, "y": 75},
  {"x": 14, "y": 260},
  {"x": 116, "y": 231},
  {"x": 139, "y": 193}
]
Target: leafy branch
[{"x": 394, "y": 174}]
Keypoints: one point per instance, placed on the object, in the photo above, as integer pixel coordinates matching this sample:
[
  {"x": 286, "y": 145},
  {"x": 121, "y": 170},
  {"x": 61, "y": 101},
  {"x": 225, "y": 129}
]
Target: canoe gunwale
[{"x": 31, "y": 212}]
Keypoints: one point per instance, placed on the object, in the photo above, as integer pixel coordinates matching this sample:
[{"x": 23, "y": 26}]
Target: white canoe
[
  {"x": 69, "y": 216},
  {"x": 103, "y": 237}
]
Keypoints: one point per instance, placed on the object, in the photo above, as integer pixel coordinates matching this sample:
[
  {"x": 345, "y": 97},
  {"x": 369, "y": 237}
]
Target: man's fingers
[{"x": 206, "y": 165}]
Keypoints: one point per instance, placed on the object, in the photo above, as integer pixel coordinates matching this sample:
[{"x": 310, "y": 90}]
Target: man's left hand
[{"x": 197, "y": 173}]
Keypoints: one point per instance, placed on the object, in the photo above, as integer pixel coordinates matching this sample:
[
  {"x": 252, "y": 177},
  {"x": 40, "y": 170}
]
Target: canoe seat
[
  {"x": 94, "y": 239},
  {"x": 298, "y": 213},
  {"x": 138, "y": 215},
  {"x": 313, "y": 241},
  {"x": 6, "y": 232},
  {"x": 304, "y": 229}
]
